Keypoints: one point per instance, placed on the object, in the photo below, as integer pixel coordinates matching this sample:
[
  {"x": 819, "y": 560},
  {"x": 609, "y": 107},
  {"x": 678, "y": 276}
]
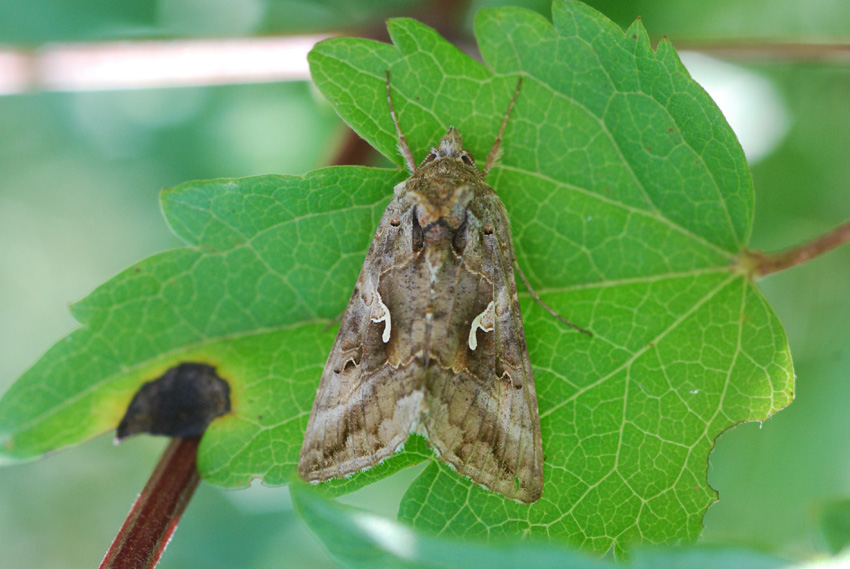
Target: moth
[{"x": 432, "y": 340}]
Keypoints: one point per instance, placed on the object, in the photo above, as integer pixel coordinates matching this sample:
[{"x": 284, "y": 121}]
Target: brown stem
[
  {"x": 353, "y": 150},
  {"x": 154, "y": 516},
  {"x": 755, "y": 49},
  {"x": 761, "y": 264}
]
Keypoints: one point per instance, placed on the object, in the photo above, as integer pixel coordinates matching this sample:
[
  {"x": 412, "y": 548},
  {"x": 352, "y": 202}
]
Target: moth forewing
[{"x": 432, "y": 340}]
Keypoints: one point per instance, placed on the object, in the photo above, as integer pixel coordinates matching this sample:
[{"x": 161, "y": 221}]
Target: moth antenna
[
  {"x": 402, "y": 142},
  {"x": 546, "y": 306},
  {"x": 494, "y": 154}
]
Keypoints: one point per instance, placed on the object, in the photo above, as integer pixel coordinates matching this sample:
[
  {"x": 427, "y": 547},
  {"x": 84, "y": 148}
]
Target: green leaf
[
  {"x": 630, "y": 201},
  {"x": 358, "y": 539}
]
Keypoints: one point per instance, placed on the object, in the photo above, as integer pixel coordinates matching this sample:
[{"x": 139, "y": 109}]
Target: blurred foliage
[
  {"x": 30, "y": 23},
  {"x": 835, "y": 524},
  {"x": 78, "y": 202},
  {"x": 358, "y": 539}
]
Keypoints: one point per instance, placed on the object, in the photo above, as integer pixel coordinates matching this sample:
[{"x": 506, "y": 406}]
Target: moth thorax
[{"x": 444, "y": 205}]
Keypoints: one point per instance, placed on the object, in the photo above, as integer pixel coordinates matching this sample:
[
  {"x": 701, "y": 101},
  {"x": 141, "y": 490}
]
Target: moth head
[{"x": 451, "y": 146}]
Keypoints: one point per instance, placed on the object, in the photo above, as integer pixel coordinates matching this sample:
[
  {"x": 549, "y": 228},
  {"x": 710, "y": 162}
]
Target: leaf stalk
[
  {"x": 155, "y": 513},
  {"x": 760, "y": 264}
]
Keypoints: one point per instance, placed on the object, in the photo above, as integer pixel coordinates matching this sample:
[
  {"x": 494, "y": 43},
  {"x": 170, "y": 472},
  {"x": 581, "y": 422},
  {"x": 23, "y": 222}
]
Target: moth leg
[
  {"x": 336, "y": 320},
  {"x": 493, "y": 155},
  {"x": 546, "y": 306},
  {"x": 402, "y": 142}
]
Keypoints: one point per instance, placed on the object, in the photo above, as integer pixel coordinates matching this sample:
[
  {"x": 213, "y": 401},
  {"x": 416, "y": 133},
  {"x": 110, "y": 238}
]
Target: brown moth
[{"x": 432, "y": 340}]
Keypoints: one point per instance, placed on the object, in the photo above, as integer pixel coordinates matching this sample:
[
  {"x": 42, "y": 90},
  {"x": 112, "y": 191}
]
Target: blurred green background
[{"x": 79, "y": 180}]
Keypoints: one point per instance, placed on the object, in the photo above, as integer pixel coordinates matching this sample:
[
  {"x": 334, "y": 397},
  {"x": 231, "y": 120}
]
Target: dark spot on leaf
[{"x": 181, "y": 403}]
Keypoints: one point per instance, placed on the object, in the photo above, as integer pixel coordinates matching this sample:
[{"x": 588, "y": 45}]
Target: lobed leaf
[{"x": 630, "y": 201}]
